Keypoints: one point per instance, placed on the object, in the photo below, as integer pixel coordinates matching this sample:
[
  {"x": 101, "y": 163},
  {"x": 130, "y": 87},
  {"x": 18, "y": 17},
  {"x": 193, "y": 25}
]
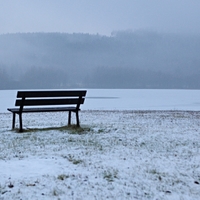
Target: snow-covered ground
[
  {"x": 126, "y": 99},
  {"x": 114, "y": 155}
]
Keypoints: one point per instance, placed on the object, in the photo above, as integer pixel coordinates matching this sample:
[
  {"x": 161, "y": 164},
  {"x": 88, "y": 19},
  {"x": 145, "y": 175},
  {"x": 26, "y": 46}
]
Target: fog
[
  {"x": 99, "y": 44},
  {"x": 99, "y": 16},
  {"x": 125, "y": 59}
]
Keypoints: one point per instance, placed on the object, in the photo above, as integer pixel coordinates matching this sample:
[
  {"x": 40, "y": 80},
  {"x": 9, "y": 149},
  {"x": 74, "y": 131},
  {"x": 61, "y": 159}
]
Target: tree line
[{"x": 138, "y": 59}]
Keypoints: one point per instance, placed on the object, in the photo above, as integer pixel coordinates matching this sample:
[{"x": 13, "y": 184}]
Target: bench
[{"x": 48, "y": 101}]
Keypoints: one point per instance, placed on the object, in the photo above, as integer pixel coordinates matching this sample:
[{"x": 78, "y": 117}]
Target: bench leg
[
  {"x": 77, "y": 119},
  {"x": 69, "y": 118},
  {"x": 13, "y": 122},
  {"x": 20, "y": 122}
]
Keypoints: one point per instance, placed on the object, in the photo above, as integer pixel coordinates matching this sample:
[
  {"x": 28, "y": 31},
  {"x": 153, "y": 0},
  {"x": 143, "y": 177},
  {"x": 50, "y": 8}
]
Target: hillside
[{"x": 139, "y": 59}]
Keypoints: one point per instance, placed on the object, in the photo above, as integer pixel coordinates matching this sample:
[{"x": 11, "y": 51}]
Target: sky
[{"x": 99, "y": 16}]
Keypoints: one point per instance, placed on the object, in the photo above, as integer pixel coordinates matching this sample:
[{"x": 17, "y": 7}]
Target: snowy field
[
  {"x": 114, "y": 155},
  {"x": 132, "y": 144},
  {"x": 126, "y": 99}
]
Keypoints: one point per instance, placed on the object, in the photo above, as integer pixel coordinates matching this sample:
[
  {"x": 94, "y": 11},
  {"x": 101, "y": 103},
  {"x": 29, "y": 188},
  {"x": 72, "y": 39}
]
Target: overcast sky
[{"x": 99, "y": 16}]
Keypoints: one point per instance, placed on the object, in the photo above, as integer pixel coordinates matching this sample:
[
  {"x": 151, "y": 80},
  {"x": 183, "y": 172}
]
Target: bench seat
[{"x": 42, "y": 109}]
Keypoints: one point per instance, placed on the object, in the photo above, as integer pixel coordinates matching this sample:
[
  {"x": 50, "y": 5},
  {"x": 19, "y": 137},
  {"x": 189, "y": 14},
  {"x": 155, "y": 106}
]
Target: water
[{"x": 126, "y": 99}]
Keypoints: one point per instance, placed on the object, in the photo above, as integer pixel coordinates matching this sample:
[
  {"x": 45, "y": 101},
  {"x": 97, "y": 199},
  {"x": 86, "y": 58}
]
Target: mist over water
[{"x": 126, "y": 59}]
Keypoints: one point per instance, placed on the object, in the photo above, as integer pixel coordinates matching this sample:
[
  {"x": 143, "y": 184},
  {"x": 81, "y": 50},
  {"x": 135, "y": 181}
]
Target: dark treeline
[{"x": 138, "y": 59}]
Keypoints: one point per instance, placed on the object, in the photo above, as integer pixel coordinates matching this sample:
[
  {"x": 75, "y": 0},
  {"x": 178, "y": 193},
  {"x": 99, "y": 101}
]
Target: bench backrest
[{"x": 48, "y": 98}]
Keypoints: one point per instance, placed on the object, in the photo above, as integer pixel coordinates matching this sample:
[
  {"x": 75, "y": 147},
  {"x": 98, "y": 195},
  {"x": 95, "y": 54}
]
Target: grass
[
  {"x": 73, "y": 160},
  {"x": 129, "y": 158},
  {"x": 110, "y": 175},
  {"x": 62, "y": 177},
  {"x": 73, "y": 129}
]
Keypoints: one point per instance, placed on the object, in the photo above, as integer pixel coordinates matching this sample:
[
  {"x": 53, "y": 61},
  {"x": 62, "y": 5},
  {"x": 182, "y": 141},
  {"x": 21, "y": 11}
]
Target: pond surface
[{"x": 126, "y": 99}]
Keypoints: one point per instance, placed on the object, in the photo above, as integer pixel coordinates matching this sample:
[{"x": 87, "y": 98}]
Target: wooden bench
[{"x": 48, "y": 101}]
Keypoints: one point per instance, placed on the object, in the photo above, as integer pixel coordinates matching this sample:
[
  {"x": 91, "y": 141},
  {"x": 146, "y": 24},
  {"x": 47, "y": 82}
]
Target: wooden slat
[
  {"x": 47, "y": 102},
  {"x": 56, "y": 93},
  {"x": 47, "y": 109}
]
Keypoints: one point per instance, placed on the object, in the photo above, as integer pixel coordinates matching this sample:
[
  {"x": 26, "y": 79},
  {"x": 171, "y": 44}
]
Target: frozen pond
[{"x": 126, "y": 99}]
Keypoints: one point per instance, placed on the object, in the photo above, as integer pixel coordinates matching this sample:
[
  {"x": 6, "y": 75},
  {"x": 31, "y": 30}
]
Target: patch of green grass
[
  {"x": 72, "y": 129},
  {"x": 110, "y": 175},
  {"x": 73, "y": 160},
  {"x": 101, "y": 130},
  {"x": 153, "y": 171},
  {"x": 62, "y": 177}
]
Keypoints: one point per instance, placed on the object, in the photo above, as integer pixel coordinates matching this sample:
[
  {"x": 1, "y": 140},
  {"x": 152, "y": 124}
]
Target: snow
[
  {"x": 116, "y": 154},
  {"x": 126, "y": 99}
]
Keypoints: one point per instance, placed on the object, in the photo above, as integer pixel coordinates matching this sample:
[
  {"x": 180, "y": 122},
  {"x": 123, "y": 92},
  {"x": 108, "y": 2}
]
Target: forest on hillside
[{"x": 140, "y": 59}]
